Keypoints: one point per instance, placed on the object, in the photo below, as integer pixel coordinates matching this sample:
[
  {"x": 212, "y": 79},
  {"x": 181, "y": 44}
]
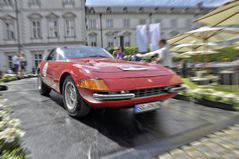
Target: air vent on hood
[{"x": 133, "y": 68}]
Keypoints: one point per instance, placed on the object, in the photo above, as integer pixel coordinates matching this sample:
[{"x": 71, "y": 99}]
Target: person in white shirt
[
  {"x": 164, "y": 56},
  {"x": 16, "y": 63}
]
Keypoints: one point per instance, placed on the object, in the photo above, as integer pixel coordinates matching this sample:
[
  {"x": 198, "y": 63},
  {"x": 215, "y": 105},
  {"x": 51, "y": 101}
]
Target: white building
[
  {"x": 37, "y": 26},
  {"x": 43, "y": 25},
  {"x": 104, "y": 23}
]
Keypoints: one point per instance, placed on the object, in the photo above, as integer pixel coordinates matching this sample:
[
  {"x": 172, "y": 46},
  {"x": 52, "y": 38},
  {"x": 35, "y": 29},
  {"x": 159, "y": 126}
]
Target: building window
[
  {"x": 9, "y": 60},
  {"x": 125, "y": 9},
  {"x": 37, "y": 59},
  {"x": 70, "y": 27},
  {"x": 173, "y": 33},
  {"x": 92, "y": 10},
  {"x": 10, "y": 31},
  {"x": 141, "y": 9},
  {"x": 127, "y": 41},
  {"x": 174, "y": 23},
  {"x": 158, "y": 21},
  {"x": 126, "y": 23},
  {"x": 68, "y": 2},
  {"x": 108, "y": 10},
  {"x": 142, "y": 21},
  {"x": 93, "y": 39},
  {"x": 36, "y": 29},
  {"x": 8, "y": 2},
  {"x": 109, "y": 23},
  {"x": 110, "y": 41},
  {"x": 92, "y": 23},
  {"x": 34, "y": 3},
  {"x": 53, "y": 28}
]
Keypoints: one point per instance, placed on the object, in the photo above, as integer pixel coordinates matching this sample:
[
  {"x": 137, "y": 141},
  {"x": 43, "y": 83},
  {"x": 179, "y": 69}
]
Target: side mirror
[{"x": 3, "y": 88}]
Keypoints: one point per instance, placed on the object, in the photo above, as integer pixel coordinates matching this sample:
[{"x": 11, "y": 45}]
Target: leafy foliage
[
  {"x": 9, "y": 77},
  {"x": 127, "y": 50},
  {"x": 225, "y": 54},
  {"x": 10, "y": 134},
  {"x": 196, "y": 92}
]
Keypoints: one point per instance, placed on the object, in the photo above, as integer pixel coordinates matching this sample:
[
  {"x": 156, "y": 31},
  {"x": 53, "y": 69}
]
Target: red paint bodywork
[{"x": 115, "y": 78}]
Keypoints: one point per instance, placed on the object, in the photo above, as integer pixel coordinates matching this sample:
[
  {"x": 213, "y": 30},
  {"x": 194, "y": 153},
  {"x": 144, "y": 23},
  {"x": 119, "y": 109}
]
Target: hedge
[
  {"x": 225, "y": 54},
  {"x": 10, "y": 134}
]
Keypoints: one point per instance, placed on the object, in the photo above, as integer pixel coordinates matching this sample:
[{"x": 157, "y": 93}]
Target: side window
[
  {"x": 60, "y": 55},
  {"x": 52, "y": 56}
]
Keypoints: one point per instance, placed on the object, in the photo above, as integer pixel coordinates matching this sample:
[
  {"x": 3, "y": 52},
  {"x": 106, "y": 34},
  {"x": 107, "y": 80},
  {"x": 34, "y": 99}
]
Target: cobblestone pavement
[{"x": 219, "y": 145}]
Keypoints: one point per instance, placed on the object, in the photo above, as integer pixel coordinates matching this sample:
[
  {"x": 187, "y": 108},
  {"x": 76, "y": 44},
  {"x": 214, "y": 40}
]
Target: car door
[
  {"x": 58, "y": 68},
  {"x": 48, "y": 69}
]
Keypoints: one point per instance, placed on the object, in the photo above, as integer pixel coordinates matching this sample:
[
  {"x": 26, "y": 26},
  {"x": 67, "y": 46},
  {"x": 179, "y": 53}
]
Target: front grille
[{"x": 149, "y": 92}]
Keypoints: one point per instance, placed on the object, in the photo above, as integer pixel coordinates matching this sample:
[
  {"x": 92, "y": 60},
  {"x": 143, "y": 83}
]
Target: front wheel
[
  {"x": 42, "y": 87},
  {"x": 74, "y": 103}
]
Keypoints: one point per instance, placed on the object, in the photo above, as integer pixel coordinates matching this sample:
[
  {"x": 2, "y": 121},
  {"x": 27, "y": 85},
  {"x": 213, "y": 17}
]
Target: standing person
[
  {"x": 119, "y": 54},
  {"x": 16, "y": 63},
  {"x": 22, "y": 65},
  {"x": 164, "y": 56},
  {"x": 184, "y": 67}
]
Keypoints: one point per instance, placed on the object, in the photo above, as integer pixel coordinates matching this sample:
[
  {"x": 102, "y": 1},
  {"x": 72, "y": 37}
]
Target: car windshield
[{"x": 72, "y": 53}]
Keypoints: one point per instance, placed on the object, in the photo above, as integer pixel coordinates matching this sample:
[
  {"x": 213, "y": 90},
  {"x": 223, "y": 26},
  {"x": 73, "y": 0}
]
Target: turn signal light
[
  {"x": 93, "y": 84},
  {"x": 176, "y": 80}
]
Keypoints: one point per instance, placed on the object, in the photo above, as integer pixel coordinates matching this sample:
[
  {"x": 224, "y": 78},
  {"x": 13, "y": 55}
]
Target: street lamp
[
  {"x": 101, "y": 30},
  {"x": 18, "y": 26}
]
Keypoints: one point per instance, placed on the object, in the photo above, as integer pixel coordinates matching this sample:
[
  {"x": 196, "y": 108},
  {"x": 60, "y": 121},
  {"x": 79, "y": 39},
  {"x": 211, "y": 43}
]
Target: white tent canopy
[
  {"x": 225, "y": 15},
  {"x": 199, "y": 52},
  {"x": 195, "y": 47},
  {"x": 206, "y": 35}
]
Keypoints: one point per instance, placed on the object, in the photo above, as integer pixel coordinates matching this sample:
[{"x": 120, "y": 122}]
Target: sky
[{"x": 179, "y": 3}]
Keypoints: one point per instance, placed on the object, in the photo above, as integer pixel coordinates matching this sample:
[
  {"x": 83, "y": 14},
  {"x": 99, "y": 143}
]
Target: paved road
[
  {"x": 51, "y": 133},
  {"x": 220, "y": 145}
]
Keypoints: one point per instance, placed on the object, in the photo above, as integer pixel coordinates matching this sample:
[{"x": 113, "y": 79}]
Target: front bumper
[
  {"x": 176, "y": 89},
  {"x": 123, "y": 99},
  {"x": 127, "y": 96},
  {"x": 113, "y": 96}
]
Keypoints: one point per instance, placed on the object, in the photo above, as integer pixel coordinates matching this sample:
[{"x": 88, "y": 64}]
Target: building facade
[
  {"x": 37, "y": 26},
  {"x": 104, "y": 24}
]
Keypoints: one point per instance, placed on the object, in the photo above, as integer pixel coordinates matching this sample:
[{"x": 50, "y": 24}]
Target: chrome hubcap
[{"x": 70, "y": 96}]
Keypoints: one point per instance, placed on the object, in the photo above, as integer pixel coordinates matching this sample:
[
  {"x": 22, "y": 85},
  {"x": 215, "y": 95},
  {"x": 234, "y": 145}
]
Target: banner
[
  {"x": 141, "y": 38},
  {"x": 148, "y": 36},
  {"x": 154, "y": 36}
]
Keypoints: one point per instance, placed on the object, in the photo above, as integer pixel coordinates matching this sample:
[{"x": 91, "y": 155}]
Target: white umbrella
[
  {"x": 195, "y": 46},
  {"x": 191, "y": 53},
  {"x": 225, "y": 15},
  {"x": 206, "y": 35},
  {"x": 237, "y": 45},
  {"x": 199, "y": 52}
]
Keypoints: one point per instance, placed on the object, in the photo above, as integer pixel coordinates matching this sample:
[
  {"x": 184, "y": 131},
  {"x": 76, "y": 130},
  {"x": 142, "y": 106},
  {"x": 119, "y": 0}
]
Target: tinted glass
[{"x": 72, "y": 53}]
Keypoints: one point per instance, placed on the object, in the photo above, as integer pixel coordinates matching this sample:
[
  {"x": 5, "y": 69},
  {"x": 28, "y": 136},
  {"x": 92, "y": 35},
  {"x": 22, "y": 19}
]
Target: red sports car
[{"x": 91, "y": 78}]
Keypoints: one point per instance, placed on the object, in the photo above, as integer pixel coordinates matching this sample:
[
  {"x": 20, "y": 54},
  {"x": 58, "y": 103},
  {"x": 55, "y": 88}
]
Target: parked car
[{"x": 91, "y": 78}]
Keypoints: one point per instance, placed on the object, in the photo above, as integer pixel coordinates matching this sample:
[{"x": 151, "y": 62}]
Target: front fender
[{"x": 76, "y": 73}]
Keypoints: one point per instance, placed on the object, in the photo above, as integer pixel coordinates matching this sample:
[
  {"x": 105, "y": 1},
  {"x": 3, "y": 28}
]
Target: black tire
[
  {"x": 3, "y": 88},
  {"x": 80, "y": 108},
  {"x": 42, "y": 87}
]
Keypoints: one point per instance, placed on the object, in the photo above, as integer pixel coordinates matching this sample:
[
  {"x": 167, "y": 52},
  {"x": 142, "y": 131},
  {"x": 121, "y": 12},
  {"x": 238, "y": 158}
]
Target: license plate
[{"x": 140, "y": 108}]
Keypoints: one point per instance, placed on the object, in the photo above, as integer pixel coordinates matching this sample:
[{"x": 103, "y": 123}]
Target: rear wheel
[
  {"x": 74, "y": 103},
  {"x": 42, "y": 87}
]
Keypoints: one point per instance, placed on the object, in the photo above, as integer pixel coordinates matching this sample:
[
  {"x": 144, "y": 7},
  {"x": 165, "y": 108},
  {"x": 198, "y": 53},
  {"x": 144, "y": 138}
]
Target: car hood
[{"x": 112, "y": 68}]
